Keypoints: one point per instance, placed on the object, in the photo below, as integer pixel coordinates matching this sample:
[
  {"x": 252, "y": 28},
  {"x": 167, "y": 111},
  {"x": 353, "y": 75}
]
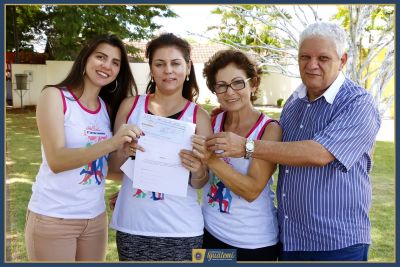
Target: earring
[
  {"x": 152, "y": 81},
  {"x": 84, "y": 71},
  {"x": 116, "y": 86},
  {"x": 187, "y": 78}
]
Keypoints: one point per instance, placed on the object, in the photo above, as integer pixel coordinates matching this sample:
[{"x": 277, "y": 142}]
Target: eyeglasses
[{"x": 220, "y": 88}]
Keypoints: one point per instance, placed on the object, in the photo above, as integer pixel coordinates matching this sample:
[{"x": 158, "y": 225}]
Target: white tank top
[
  {"x": 77, "y": 193},
  {"x": 156, "y": 214},
  {"x": 229, "y": 217}
]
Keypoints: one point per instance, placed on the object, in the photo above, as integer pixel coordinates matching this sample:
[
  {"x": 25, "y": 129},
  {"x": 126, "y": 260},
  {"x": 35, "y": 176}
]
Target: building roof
[{"x": 200, "y": 52}]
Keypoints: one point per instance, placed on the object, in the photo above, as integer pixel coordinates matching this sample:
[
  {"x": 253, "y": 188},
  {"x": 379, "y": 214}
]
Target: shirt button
[
  {"x": 286, "y": 171},
  {"x": 284, "y": 195},
  {"x": 308, "y": 105},
  {"x": 286, "y": 217},
  {"x": 301, "y": 126}
]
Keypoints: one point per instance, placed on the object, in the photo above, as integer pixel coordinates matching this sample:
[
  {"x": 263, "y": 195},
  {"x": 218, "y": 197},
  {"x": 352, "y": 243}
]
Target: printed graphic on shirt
[
  {"x": 139, "y": 194},
  {"x": 157, "y": 196},
  {"x": 93, "y": 170},
  {"x": 219, "y": 193},
  {"x": 154, "y": 195}
]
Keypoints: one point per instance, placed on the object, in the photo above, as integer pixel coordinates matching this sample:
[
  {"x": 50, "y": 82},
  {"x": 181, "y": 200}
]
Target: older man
[{"x": 329, "y": 128}]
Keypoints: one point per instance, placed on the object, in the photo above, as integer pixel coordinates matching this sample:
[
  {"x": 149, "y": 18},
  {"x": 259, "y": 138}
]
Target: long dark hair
[
  {"x": 190, "y": 89},
  {"x": 111, "y": 94}
]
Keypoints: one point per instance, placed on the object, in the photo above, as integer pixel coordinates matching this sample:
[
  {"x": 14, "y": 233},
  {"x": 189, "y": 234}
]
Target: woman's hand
[
  {"x": 227, "y": 144},
  {"x": 199, "y": 173},
  {"x": 200, "y": 148},
  {"x": 126, "y": 134},
  {"x": 112, "y": 200},
  {"x": 191, "y": 162},
  {"x": 131, "y": 148}
]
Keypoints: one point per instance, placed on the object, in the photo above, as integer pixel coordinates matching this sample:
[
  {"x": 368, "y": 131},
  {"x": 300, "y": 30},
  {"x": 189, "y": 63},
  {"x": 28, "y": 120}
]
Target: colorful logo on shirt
[
  {"x": 157, "y": 196},
  {"x": 94, "y": 134},
  {"x": 93, "y": 170},
  {"x": 219, "y": 193},
  {"x": 154, "y": 195},
  {"x": 139, "y": 194}
]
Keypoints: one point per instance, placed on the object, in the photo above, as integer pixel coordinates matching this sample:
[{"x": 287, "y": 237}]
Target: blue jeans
[{"x": 358, "y": 252}]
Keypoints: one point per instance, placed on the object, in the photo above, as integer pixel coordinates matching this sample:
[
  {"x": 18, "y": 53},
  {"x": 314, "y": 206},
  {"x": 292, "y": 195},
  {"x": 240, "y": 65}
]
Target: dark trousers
[
  {"x": 358, "y": 252},
  {"x": 259, "y": 254}
]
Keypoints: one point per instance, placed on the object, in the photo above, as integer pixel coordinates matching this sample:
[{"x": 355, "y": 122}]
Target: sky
[
  {"x": 196, "y": 18},
  {"x": 192, "y": 18}
]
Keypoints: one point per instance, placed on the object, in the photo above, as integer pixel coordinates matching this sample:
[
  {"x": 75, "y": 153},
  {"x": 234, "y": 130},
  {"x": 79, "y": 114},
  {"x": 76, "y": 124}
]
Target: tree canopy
[
  {"x": 67, "y": 27},
  {"x": 271, "y": 33}
]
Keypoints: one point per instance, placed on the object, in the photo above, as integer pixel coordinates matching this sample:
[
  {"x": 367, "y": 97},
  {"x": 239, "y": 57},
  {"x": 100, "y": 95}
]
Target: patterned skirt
[{"x": 148, "y": 248}]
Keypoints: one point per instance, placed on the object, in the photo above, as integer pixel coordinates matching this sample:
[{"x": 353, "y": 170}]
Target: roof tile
[{"x": 200, "y": 52}]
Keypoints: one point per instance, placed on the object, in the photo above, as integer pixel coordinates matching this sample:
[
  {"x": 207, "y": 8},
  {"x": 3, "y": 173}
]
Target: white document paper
[
  {"x": 128, "y": 168},
  {"x": 159, "y": 168}
]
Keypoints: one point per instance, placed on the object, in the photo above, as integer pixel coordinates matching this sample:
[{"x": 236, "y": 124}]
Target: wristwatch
[{"x": 249, "y": 147}]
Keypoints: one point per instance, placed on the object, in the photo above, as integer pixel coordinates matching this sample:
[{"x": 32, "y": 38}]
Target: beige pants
[{"x": 56, "y": 239}]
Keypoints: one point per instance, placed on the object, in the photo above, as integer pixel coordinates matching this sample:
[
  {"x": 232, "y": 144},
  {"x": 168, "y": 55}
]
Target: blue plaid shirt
[{"x": 326, "y": 208}]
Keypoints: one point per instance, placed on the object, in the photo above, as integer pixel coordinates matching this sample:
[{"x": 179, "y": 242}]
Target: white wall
[
  {"x": 273, "y": 86},
  {"x": 57, "y": 70},
  {"x": 141, "y": 74},
  {"x": 39, "y": 78},
  {"x": 205, "y": 94}
]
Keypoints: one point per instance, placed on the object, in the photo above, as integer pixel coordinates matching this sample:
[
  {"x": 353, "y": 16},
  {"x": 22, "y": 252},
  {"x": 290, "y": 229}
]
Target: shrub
[{"x": 279, "y": 102}]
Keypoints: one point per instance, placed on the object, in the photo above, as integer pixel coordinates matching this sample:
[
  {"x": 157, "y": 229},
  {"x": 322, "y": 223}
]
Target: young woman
[
  {"x": 238, "y": 205},
  {"x": 66, "y": 218},
  {"x": 152, "y": 226}
]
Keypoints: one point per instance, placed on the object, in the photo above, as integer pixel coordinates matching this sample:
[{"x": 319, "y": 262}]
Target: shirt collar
[{"x": 329, "y": 94}]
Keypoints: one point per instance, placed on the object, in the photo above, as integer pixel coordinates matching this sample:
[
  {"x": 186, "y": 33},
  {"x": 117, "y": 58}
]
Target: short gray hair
[{"x": 326, "y": 30}]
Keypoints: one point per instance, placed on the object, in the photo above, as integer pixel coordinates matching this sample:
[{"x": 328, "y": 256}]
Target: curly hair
[{"x": 242, "y": 61}]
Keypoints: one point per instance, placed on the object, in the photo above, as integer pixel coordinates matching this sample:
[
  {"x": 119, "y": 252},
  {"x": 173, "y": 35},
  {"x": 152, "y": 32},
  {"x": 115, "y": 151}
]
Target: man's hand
[{"x": 227, "y": 144}]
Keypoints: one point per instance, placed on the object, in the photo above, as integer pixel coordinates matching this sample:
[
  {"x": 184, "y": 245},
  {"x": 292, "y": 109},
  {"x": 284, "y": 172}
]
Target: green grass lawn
[{"x": 23, "y": 159}]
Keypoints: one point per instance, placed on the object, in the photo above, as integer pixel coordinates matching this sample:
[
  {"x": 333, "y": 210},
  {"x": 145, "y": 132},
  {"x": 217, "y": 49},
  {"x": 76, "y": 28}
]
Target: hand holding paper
[{"x": 159, "y": 169}]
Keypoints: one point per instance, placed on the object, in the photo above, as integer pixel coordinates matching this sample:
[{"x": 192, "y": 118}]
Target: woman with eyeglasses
[{"x": 238, "y": 203}]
